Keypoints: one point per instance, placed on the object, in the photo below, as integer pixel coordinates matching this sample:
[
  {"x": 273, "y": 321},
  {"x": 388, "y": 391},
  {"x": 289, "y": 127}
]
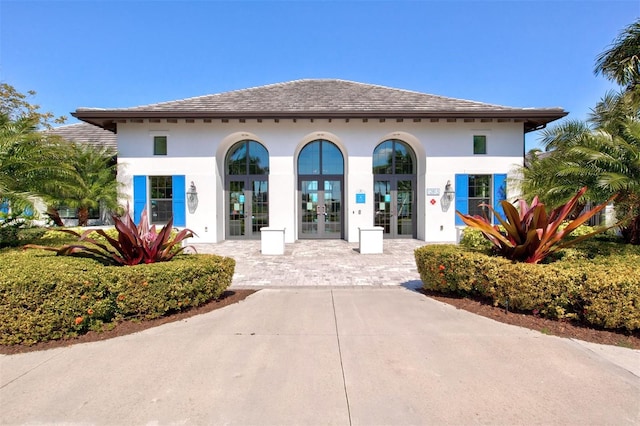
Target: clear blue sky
[{"x": 127, "y": 53}]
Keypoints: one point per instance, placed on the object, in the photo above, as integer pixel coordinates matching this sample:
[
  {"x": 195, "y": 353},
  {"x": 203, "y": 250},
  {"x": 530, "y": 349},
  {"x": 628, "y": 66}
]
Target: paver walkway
[{"x": 333, "y": 263}]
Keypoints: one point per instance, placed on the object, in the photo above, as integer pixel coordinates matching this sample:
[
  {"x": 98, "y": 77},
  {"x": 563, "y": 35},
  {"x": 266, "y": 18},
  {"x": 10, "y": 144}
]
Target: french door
[
  {"x": 320, "y": 206},
  {"x": 248, "y": 207},
  {"x": 394, "y": 206}
]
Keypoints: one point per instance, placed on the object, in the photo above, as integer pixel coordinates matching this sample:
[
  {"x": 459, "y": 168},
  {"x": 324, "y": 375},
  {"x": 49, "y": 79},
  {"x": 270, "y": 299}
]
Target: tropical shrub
[
  {"x": 132, "y": 246},
  {"x": 474, "y": 239},
  {"x": 601, "y": 289},
  {"x": 532, "y": 234},
  {"x": 44, "y": 297}
]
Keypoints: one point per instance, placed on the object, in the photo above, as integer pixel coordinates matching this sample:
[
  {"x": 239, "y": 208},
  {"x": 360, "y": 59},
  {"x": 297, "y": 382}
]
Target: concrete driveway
[{"x": 309, "y": 356}]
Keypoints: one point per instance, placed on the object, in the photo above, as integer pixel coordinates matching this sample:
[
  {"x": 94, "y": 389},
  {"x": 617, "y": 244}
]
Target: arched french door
[
  {"x": 394, "y": 183},
  {"x": 247, "y": 188},
  {"x": 320, "y": 190}
]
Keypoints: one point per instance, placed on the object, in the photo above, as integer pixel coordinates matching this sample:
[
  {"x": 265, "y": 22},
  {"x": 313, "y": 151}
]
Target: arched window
[
  {"x": 320, "y": 157},
  {"x": 248, "y": 158},
  {"x": 247, "y": 169},
  {"x": 393, "y": 157}
]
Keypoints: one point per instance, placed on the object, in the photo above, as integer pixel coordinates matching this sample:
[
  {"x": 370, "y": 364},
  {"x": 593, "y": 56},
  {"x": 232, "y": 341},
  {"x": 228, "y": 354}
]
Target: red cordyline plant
[
  {"x": 134, "y": 244},
  {"x": 531, "y": 234}
]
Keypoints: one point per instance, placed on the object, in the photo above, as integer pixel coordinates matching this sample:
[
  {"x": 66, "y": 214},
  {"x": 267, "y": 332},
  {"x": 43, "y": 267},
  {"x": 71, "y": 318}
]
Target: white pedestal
[
  {"x": 371, "y": 240},
  {"x": 272, "y": 240}
]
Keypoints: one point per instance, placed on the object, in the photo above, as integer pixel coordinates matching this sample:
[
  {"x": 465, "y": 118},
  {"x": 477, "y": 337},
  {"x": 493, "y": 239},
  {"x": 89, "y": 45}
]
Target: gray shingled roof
[
  {"x": 320, "y": 98},
  {"x": 87, "y": 134}
]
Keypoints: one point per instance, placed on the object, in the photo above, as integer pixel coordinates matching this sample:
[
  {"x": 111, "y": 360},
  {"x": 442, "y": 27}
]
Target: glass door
[
  {"x": 248, "y": 208},
  {"x": 320, "y": 208},
  {"x": 404, "y": 208},
  {"x": 394, "y": 207}
]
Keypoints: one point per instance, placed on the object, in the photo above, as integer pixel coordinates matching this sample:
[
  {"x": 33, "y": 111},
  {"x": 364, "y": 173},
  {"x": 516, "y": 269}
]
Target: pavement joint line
[
  {"x": 30, "y": 370},
  {"x": 344, "y": 380}
]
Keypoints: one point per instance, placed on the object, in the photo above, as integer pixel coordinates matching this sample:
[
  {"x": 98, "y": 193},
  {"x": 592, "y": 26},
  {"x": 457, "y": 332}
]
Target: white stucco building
[{"x": 318, "y": 158}]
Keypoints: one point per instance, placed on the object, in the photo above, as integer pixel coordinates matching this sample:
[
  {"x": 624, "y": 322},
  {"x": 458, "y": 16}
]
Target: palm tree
[
  {"x": 621, "y": 62},
  {"x": 31, "y": 164},
  {"x": 605, "y": 157},
  {"x": 97, "y": 187},
  {"x": 614, "y": 157},
  {"x": 602, "y": 153},
  {"x": 555, "y": 175}
]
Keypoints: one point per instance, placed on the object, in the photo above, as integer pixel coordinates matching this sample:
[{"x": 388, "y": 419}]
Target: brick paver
[{"x": 335, "y": 263}]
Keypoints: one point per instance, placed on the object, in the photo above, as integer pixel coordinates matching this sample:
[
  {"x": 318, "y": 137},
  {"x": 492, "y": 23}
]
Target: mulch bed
[
  {"x": 479, "y": 307},
  {"x": 557, "y": 328}
]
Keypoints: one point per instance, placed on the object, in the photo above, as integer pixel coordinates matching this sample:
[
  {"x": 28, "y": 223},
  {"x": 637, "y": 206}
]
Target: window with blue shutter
[
  {"x": 462, "y": 196},
  {"x": 139, "y": 197},
  {"x": 4, "y": 206},
  {"x": 179, "y": 201},
  {"x": 499, "y": 194}
]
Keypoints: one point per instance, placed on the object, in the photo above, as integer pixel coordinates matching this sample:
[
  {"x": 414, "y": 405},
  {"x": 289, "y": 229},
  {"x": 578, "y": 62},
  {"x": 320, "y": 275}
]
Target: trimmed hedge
[
  {"x": 45, "y": 297},
  {"x": 17, "y": 233},
  {"x": 599, "y": 290}
]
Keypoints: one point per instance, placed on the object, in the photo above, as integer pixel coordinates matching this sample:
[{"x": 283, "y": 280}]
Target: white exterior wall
[{"x": 197, "y": 150}]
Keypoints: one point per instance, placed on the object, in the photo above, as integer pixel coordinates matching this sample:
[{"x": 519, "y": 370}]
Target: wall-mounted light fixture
[
  {"x": 447, "y": 196},
  {"x": 448, "y": 191},
  {"x": 192, "y": 198}
]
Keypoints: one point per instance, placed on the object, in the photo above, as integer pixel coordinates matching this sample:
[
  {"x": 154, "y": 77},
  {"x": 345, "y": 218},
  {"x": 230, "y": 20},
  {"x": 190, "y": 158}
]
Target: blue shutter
[
  {"x": 499, "y": 193},
  {"x": 4, "y": 206},
  {"x": 179, "y": 201},
  {"x": 462, "y": 196},
  {"x": 139, "y": 197}
]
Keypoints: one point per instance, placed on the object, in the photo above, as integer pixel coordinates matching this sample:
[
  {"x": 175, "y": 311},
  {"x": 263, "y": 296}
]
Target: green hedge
[
  {"x": 603, "y": 291},
  {"x": 45, "y": 297}
]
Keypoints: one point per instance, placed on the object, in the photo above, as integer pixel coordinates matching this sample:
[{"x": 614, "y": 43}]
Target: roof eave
[{"x": 535, "y": 118}]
